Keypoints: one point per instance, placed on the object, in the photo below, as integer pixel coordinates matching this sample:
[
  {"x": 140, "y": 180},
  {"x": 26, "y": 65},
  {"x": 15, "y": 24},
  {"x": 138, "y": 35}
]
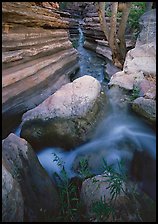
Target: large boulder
[
  {"x": 141, "y": 58},
  {"x": 145, "y": 107},
  {"x": 66, "y": 118},
  {"x": 28, "y": 193},
  {"x": 96, "y": 190},
  {"x": 130, "y": 205}
]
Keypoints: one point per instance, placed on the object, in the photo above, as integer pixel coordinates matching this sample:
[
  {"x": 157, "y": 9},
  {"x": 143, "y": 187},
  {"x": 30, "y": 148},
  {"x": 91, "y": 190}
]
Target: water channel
[{"x": 120, "y": 136}]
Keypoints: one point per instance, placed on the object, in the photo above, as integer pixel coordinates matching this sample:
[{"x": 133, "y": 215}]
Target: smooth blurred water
[{"x": 118, "y": 137}]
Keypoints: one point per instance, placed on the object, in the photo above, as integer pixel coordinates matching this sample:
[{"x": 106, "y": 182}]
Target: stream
[{"x": 120, "y": 136}]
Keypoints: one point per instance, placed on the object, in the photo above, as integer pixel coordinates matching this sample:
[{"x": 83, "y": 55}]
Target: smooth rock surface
[
  {"x": 145, "y": 107},
  {"x": 28, "y": 193},
  {"x": 67, "y": 117},
  {"x": 12, "y": 200}
]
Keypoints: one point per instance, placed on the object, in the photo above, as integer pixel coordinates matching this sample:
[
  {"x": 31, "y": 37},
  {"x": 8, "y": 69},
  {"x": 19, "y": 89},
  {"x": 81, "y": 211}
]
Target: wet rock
[
  {"x": 31, "y": 195},
  {"x": 145, "y": 107},
  {"x": 66, "y": 118},
  {"x": 38, "y": 57}
]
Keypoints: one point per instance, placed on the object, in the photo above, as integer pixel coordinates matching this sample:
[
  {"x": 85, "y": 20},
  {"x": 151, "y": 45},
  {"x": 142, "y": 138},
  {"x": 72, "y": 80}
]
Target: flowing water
[
  {"x": 90, "y": 63},
  {"x": 120, "y": 136}
]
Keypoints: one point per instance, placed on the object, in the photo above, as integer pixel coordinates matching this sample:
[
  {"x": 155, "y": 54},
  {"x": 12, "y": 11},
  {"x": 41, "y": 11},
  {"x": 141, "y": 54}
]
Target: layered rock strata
[
  {"x": 37, "y": 56},
  {"x": 94, "y": 36}
]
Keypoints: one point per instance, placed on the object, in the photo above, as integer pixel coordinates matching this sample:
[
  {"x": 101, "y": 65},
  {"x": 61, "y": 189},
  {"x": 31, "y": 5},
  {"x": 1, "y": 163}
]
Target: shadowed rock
[
  {"x": 145, "y": 107},
  {"x": 28, "y": 194}
]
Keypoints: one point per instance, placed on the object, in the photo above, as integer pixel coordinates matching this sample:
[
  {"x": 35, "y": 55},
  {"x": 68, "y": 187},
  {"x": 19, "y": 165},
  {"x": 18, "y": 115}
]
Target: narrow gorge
[{"x": 68, "y": 112}]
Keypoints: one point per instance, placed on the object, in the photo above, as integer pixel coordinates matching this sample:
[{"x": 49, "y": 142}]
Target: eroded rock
[
  {"x": 67, "y": 117},
  {"x": 38, "y": 57}
]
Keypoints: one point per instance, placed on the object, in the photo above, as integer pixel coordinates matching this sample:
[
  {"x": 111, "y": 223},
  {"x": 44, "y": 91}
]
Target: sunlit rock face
[
  {"x": 66, "y": 118},
  {"x": 28, "y": 194},
  {"x": 37, "y": 56}
]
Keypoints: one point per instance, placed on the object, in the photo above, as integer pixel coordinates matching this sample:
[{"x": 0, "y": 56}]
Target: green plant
[
  {"x": 84, "y": 171},
  {"x": 102, "y": 210},
  {"x": 137, "y": 9},
  {"x": 75, "y": 43},
  {"x": 135, "y": 93},
  {"x": 68, "y": 193},
  {"x": 62, "y": 5},
  {"x": 73, "y": 211},
  {"x": 116, "y": 179}
]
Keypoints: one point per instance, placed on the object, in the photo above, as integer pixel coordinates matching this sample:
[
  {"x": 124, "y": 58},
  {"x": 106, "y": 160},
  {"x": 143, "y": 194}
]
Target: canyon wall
[{"x": 37, "y": 57}]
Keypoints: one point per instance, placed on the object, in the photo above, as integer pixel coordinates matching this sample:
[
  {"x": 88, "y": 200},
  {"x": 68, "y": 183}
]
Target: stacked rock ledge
[{"x": 37, "y": 55}]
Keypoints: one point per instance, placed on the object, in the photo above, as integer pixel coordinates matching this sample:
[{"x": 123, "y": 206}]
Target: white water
[{"x": 116, "y": 138}]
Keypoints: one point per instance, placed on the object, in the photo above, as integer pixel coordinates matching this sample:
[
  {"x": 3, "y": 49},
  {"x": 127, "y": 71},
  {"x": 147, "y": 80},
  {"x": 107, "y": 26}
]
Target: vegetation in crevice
[
  {"x": 73, "y": 210},
  {"x": 135, "y": 93}
]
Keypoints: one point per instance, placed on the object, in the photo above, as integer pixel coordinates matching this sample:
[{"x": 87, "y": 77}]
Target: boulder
[
  {"x": 140, "y": 71},
  {"x": 126, "y": 81},
  {"x": 122, "y": 80},
  {"x": 96, "y": 190},
  {"x": 145, "y": 107},
  {"x": 95, "y": 193},
  {"x": 141, "y": 58},
  {"x": 28, "y": 193},
  {"x": 12, "y": 200},
  {"x": 66, "y": 118}
]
